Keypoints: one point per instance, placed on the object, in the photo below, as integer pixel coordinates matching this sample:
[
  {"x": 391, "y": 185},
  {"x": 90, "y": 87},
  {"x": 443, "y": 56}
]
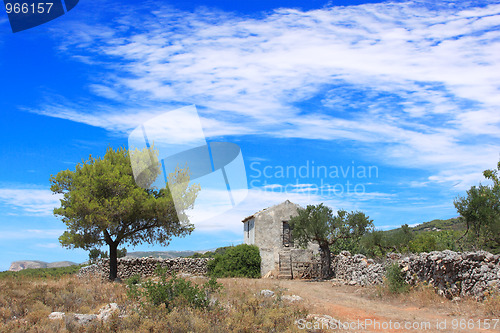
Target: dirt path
[{"x": 366, "y": 312}]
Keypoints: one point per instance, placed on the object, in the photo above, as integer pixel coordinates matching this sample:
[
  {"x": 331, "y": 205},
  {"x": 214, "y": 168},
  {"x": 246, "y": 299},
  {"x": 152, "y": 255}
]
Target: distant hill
[
  {"x": 437, "y": 225},
  {"x": 452, "y": 224},
  {"x": 162, "y": 254},
  {"x": 24, "y": 264}
]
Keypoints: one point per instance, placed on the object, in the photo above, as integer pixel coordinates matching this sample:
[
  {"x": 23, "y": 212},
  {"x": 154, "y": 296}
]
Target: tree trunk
[
  {"x": 113, "y": 261},
  {"x": 326, "y": 271}
]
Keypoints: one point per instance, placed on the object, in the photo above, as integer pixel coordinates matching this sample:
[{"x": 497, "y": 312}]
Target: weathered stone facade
[
  {"x": 269, "y": 230},
  {"x": 146, "y": 267}
]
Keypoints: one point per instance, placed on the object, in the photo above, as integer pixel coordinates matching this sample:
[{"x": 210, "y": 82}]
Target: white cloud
[
  {"x": 30, "y": 201},
  {"x": 260, "y": 198},
  {"x": 30, "y": 234},
  {"x": 48, "y": 245},
  {"x": 423, "y": 77}
]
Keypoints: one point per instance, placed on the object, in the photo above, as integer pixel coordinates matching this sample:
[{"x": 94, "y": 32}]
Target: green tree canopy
[
  {"x": 102, "y": 203},
  {"x": 317, "y": 224},
  {"x": 480, "y": 210},
  {"x": 375, "y": 243}
]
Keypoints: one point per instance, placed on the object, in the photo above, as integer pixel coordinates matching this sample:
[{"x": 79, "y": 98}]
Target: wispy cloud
[
  {"x": 23, "y": 234},
  {"x": 29, "y": 201},
  {"x": 258, "y": 199},
  {"x": 48, "y": 245},
  {"x": 415, "y": 82}
]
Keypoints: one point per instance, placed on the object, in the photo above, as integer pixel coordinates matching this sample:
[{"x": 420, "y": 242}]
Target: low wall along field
[
  {"x": 146, "y": 267},
  {"x": 453, "y": 274}
]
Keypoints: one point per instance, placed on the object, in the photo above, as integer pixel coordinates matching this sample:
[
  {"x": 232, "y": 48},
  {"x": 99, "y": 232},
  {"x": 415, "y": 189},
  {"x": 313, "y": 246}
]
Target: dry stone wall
[
  {"x": 146, "y": 267},
  {"x": 453, "y": 274},
  {"x": 357, "y": 269}
]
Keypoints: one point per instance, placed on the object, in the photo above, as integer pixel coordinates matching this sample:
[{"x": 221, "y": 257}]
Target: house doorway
[{"x": 287, "y": 235}]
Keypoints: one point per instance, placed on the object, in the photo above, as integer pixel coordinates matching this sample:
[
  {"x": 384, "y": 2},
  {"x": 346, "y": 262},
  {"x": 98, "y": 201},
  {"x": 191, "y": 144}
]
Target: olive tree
[
  {"x": 317, "y": 224},
  {"x": 480, "y": 210}
]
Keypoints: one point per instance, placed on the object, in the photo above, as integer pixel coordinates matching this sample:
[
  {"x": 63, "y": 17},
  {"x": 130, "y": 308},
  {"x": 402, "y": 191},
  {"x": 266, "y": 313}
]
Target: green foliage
[
  {"x": 374, "y": 243},
  {"x": 352, "y": 227},
  {"x": 424, "y": 242},
  {"x": 122, "y": 253},
  {"x": 435, "y": 241},
  {"x": 210, "y": 254},
  {"x": 480, "y": 210},
  {"x": 173, "y": 292},
  {"x": 103, "y": 204},
  {"x": 394, "y": 280},
  {"x": 425, "y": 237},
  {"x": 43, "y": 272},
  {"x": 134, "y": 279},
  {"x": 132, "y": 284},
  {"x": 237, "y": 261},
  {"x": 401, "y": 238},
  {"x": 453, "y": 224},
  {"x": 96, "y": 254},
  {"x": 332, "y": 233}
]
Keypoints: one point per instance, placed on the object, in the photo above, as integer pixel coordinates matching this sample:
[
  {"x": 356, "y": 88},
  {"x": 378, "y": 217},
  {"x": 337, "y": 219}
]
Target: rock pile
[
  {"x": 357, "y": 270},
  {"x": 105, "y": 314},
  {"x": 146, "y": 267},
  {"x": 455, "y": 274}
]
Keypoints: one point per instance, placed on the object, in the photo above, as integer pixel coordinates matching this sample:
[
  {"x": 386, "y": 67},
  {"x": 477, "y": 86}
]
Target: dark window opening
[{"x": 287, "y": 235}]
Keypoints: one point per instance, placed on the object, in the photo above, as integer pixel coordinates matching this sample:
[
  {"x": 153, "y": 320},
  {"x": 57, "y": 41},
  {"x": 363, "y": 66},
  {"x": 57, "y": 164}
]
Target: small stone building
[{"x": 270, "y": 231}]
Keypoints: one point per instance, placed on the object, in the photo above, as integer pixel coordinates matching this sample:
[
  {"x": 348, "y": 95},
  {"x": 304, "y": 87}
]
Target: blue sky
[{"x": 408, "y": 90}]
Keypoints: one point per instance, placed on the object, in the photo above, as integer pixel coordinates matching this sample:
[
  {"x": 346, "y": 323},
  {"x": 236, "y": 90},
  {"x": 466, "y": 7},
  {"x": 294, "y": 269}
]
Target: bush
[
  {"x": 210, "y": 254},
  {"x": 238, "y": 261},
  {"x": 96, "y": 254},
  {"x": 394, "y": 280},
  {"x": 175, "y": 292},
  {"x": 134, "y": 279}
]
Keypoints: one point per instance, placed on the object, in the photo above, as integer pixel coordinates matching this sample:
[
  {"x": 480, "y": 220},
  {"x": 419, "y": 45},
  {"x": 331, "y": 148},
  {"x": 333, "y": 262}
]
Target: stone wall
[
  {"x": 146, "y": 267},
  {"x": 455, "y": 274},
  {"x": 357, "y": 270},
  {"x": 452, "y": 274}
]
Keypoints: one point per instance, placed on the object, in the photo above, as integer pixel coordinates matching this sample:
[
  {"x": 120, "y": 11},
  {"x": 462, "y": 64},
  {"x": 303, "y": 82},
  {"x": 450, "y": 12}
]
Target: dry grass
[
  {"x": 425, "y": 296},
  {"x": 25, "y": 304},
  {"x": 492, "y": 304}
]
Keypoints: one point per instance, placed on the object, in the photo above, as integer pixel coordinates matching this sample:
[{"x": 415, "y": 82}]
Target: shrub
[
  {"x": 134, "y": 279},
  {"x": 132, "y": 286},
  {"x": 175, "y": 292},
  {"x": 239, "y": 261},
  {"x": 210, "y": 254},
  {"x": 394, "y": 280}
]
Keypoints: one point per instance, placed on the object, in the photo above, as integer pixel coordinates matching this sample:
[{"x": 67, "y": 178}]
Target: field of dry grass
[{"x": 25, "y": 304}]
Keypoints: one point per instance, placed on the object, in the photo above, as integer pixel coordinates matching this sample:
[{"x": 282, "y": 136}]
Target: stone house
[{"x": 270, "y": 231}]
